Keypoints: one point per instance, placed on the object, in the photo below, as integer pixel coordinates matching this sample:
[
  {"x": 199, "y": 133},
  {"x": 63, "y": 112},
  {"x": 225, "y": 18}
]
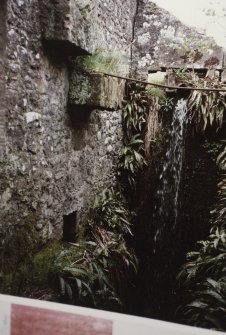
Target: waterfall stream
[
  {"x": 166, "y": 240},
  {"x": 173, "y": 214},
  {"x": 170, "y": 177}
]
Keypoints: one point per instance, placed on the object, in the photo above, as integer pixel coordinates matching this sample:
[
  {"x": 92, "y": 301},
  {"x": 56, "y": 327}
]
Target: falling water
[
  {"x": 165, "y": 216},
  {"x": 167, "y": 194}
]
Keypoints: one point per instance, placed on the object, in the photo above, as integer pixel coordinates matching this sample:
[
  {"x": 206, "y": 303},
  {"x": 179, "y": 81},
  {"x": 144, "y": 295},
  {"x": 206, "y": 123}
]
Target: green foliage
[
  {"x": 221, "y": 160},
  {"x": 132, "y": 159},
  {"x": 135, "y": 110},
  {"x": 93, "y": 272},
  {"x": 135, "y": 113},
  {"x": 182, "y": 74},
  {"x": 101, "y": 61},
  {"x": 158, "y": 99},
  {"x": 205, "y": 107},
  {"x": 141, "y": 124},
  {"x": 82, "y": 270},
  {"x": 203, "y": 275},
  {"x": 208, "y": 261},
  {"x": 214, "y": 149},
  {"x": 156, "y": 92},
  {"x": 166, "y": 104},
  {"x": 209, "y": 305},
  {"x": 43, "y": 264},
  {"x": 111, "y": 213},
  {"x": 219, "y": 212},
  {"x": 16, "y": 257},
  {"x": 84, "y": 10}
]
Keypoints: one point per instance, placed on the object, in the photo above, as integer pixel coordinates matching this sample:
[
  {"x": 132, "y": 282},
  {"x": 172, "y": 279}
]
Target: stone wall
[
  {"x": 56, "y": 159},
  {"x": 161, "y": 40},
  {"x": 89, "y": 25},
  {"x": 2, "y": 71}
]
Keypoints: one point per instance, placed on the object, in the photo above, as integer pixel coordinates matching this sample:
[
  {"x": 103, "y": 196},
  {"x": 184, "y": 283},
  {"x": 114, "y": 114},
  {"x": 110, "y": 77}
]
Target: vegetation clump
[
  {"x": 134, "y": 119},
  {"x": 141, "y": 125},
  {"x": 202, "y": 277},
  {"x": 207, "y": 107},
  {"x": 93, "y": 272},
  {"x": 204, "y": 107},
  {"x": 101, "y": 61},
  {"x": 203, "y": 274}
]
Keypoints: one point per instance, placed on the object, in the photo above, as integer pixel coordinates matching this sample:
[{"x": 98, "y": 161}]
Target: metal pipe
[{"x": 208, "y": 89}]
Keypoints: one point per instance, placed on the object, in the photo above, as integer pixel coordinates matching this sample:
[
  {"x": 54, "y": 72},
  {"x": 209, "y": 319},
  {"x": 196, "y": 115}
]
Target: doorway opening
[{"x": 69, "y": 227}]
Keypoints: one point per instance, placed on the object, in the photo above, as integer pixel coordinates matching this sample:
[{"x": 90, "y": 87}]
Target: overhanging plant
[
  {"x": 141, "y": 125},
  {"x": 134, "y": 118},
  {"x": 204, "y": 107}
]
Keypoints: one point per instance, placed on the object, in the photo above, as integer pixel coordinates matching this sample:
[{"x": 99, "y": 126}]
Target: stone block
[
  {"x": 3, "y": 35},
  {"x": 96, "y": 90},
  {"x": 157, "y": 77},
  {"x": 82, "y": 26},
  {"x": 67, "y": 24}
]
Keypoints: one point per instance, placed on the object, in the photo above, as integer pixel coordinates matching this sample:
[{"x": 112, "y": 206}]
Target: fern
[
  {"x": 92, "y": 271},
  {"x": 205, "y": 108}
]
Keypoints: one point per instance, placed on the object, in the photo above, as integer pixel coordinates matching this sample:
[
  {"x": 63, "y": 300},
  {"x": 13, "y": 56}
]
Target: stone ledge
[
  {"x": 67, "y": 25},
  {"x": 96, "y": 90}
]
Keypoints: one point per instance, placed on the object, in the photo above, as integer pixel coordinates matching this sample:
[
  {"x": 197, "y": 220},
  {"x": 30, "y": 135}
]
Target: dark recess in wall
[
  {"x": 63, "y": 48},
  {"x": 69, "y": 227}
]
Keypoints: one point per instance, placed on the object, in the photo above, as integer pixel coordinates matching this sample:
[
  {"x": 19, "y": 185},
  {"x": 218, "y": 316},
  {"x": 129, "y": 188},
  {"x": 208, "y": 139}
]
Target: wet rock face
[
  {"x": 161, "y": 40},
  {"x": 55, "y": 159}
]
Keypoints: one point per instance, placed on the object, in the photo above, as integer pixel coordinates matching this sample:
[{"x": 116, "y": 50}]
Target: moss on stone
[
  {"x": 43, "y": 263},
  {"x": 96, "y": 90},
  {"x": 80, "y": 89},
  {"x": 23, "y": 267},
  {"x": 84, "y": 10},
  {"x": 18, "y": 245}
]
